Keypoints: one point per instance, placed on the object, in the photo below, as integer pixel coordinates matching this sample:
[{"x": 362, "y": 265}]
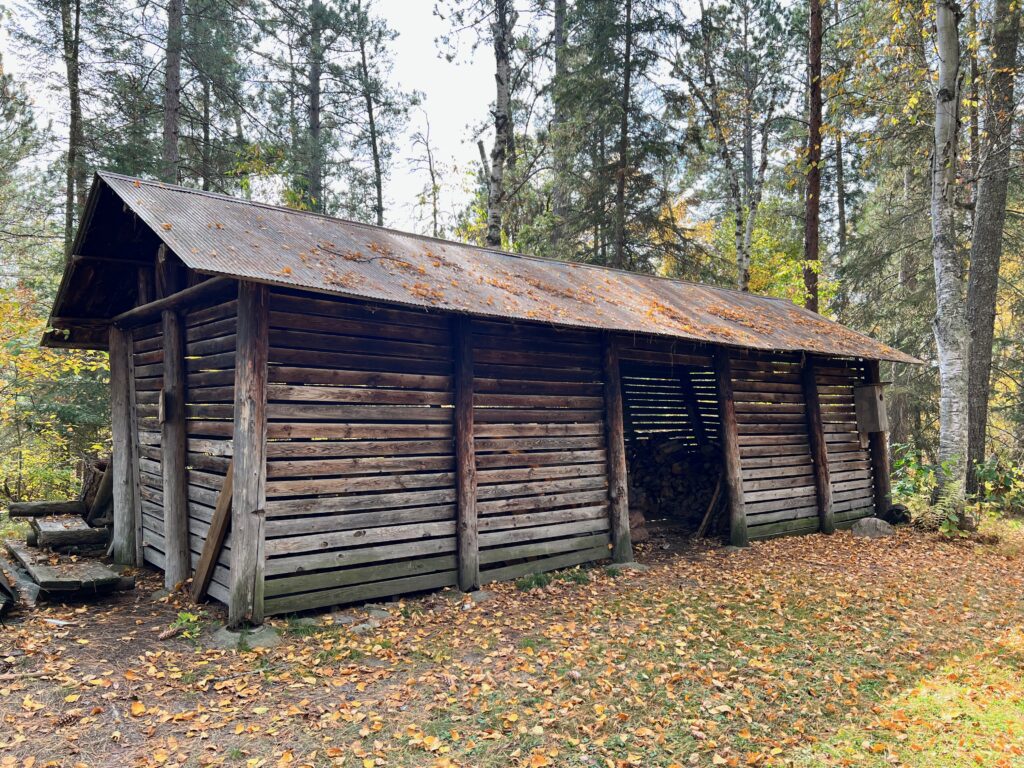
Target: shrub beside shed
[{"x": 308, "y": 411}]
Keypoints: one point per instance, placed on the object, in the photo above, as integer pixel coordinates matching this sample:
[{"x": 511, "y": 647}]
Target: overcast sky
[{"x": 457, "y": 97}]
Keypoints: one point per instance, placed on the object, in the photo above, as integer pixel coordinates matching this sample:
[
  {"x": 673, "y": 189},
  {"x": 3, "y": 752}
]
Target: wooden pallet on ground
[{"x": 64, "y": 577}]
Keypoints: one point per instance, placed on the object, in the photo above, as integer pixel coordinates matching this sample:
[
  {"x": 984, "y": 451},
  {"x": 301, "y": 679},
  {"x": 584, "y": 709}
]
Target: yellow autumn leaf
[{"x": 138, "y": 709}]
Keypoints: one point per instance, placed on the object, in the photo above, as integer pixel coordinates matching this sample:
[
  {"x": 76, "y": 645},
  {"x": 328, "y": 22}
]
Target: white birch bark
[{"x": 950, "y": 324}]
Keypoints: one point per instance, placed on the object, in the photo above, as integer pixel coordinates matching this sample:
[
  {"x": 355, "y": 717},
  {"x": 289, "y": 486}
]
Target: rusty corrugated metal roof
[{"x": 217, "y": 234}]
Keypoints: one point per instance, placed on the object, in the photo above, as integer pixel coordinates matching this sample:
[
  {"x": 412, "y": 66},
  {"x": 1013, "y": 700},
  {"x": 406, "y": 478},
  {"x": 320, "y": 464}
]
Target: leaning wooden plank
[
  {"x": 102, "y": 505},
  {"x": 214, "y": 538},
  {"x": 67, "y": 532},
  {"x": 46, "y": 508}
]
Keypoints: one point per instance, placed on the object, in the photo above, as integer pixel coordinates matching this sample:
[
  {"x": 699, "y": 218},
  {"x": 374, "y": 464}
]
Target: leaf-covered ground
[{"x": 802, "y": 651}]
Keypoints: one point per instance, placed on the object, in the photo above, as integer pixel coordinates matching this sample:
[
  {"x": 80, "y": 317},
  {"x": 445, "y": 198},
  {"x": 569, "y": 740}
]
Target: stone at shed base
[
  {"x": 481, "y": 596},
  {"x": 263, "y": 636},
  {"x": 872, "y": 528},
  {"x": 343, "y": 619},
  {"x": 378, "y": 613},
  {"x": 631, "y": 566},
  {"x": 365, "y": 628}
]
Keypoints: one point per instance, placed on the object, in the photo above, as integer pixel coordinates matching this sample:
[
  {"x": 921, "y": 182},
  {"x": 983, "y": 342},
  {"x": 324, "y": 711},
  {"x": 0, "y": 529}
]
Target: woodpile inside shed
[{"x": 670, "y": 479}]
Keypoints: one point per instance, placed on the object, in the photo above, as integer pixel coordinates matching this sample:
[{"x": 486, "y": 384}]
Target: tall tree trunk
[
  {"x": 836, "y": 113},
  {"x": 378, "y": 175},
  {"x": 315, "y": 171},
  {"x": 501, "y": 33},
  {"x": 950, "y": 325},
  {"x": 207, "y": 149},
  {"x": 172, "y": 91},
  {"x": 812, "y": 210},
  {"x": 559, "y": 150},
  {"x": 619, "y": 259},
  {"x": 989, "y": 219},
  {"x": 71, "y": 35}
]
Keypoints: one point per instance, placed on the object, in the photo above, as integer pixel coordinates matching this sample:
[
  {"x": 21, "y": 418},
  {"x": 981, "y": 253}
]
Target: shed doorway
[{"x": 673, "y": 451}]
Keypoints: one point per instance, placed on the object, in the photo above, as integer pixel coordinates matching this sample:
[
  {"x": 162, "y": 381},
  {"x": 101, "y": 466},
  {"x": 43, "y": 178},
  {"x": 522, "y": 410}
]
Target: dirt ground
[{"x": 801, "y": 651}]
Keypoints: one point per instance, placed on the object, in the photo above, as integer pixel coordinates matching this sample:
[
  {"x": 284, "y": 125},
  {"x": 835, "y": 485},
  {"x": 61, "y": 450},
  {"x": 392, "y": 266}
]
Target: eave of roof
[{"x": 220, "y": 235}]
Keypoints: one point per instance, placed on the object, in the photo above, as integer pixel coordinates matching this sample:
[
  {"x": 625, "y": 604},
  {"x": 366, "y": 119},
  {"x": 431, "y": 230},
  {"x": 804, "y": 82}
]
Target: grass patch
[
  {"x": 970, "y": 712},
  {"x": 533, "y": 581}
]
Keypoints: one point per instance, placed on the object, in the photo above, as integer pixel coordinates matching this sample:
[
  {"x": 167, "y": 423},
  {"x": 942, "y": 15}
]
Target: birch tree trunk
[
  {"x": 619, "y": 258},
  {"x": 172, "y": 91},
  {"x": 950, "y": 324},
  {"x": 501, "y": 34},
  {"x": 989, "y": 219}
]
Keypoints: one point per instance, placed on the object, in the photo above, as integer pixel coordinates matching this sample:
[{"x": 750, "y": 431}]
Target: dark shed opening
[{"x": 673, "y": 449}]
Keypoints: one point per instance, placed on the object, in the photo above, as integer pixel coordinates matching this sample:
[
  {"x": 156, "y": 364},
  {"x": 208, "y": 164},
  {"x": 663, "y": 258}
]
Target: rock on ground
[
  {"x": 872, "y": 528},
  {"x": 263, "y": 636}
]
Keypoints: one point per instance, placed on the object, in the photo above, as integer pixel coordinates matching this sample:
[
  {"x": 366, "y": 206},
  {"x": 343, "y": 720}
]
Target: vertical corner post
[
  {"x": 618, "y": 487},
  {"x": 249, "y": 468},
  {"x": 465, "y": 456},
  {"x": 818, "y": 445},
  {"x": 127, "y": 536},
  {"x": 738, "y": 536},
  {"x": 878, "y": 444},
  {"x": 173, "y": 431}
]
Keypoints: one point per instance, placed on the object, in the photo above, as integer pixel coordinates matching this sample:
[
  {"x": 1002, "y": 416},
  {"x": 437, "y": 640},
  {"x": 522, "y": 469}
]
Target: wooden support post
[
  {"x": 618, "y": 487},
  {"x": 173, "y": 434},
  {"x": 465, "y": 455},
  {"x": 819, "y": 447},
  {"x": 730, "y": 450},
  {"x": 126, "y": 544},
  {"x": 245, "y": 602},
  {"x": 692, "y": 407},
  {"x": 878, "y": 444}
]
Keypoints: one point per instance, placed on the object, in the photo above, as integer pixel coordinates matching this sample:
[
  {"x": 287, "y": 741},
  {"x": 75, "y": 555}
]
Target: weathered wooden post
[
  {"x": 465, "y": 456},
  {"x": 730, "y": 449},
  {"x": 173, "y": 431},
  {"x": 618, "y": 487},
  {"x": 819, "y": 446},
  {"x": 692, "y": 408},
  {"x": 249, "y": 479},
  {"x": 127, "y": 537},
  {"x": 878, "y": 443}
]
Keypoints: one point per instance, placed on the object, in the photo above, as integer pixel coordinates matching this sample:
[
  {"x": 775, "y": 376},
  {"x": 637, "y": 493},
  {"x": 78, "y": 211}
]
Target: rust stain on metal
[{"x": 221, "y": 235}]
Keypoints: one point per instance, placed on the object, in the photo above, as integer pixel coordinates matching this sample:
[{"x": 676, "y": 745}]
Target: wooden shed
[{"x": 308, "y": 411}]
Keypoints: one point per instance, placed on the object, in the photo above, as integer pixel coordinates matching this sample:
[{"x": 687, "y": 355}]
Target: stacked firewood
[{"x": 671, "y": 479}]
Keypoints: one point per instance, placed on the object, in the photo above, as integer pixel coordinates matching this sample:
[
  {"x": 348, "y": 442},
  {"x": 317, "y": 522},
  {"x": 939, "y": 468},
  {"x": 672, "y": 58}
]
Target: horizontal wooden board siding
[
  {"x": 541, "y": 455},
  {"x": 659, "y": 377},
  {"x": 360, "y": 455},
  {"x": 849, "y": 463},
  {"x": 147, "y": 348},
  {"x": 775, "y": 457},
  {"x": 209, "y": 353}
]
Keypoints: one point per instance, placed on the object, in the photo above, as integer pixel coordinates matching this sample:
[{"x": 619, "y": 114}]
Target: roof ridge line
[{"x": 404, "y": 233}]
